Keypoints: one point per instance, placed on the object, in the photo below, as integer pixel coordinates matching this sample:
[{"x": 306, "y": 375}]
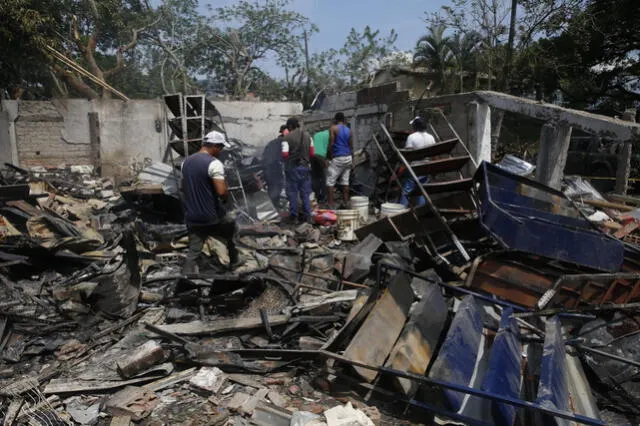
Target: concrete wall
[
  {"x": 38, "y": 127},
  {"x": 56, "y": 133},
  {"x": 256, "y": 123},
  {"x": 130, "y": 134},
  {"x": 8, "y": 148}
]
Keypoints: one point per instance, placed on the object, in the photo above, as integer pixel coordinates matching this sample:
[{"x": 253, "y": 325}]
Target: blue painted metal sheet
[
  {"x": 528, "y": 216},
  {"x": 503, "y": 376},
  {"x": 458, "y": 355},
  {"x": 553, "y": 388}
]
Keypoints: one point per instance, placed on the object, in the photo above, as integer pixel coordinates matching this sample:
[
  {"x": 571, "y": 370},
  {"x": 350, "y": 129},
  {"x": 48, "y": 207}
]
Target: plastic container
[
  {"x": 361, "y": 204},
  {"x": 324, "y": 217},
  {"x": 392, "y": 209},
  {"x": 347, "y": 223}
]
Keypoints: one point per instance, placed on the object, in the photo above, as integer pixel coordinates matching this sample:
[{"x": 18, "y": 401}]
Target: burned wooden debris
[{"x": 500, "y": 301}]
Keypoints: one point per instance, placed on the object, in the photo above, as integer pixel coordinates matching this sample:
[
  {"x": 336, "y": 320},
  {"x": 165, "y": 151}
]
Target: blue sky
[{"x": 336, "y": 17}]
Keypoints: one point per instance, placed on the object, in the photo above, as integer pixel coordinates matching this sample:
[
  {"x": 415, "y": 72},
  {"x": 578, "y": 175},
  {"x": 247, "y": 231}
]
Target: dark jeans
[
  {"x": 299, "y": 184},
  {"x": 198, "y": 234},
  {"x": 408, "y": 186},
  {"x": 275, "y": 182},
  {"x": 319, "y": 178}
]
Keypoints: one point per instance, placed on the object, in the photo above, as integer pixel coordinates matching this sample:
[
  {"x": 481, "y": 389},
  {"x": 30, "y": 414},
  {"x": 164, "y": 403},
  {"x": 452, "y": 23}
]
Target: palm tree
[
  {"x": 465, "y": 49},
  {"x": 433, "y": 51}
]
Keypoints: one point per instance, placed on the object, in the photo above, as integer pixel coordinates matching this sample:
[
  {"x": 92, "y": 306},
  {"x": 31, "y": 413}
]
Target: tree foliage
[
  {"x": 172, "y": 47},
  {"x": 434, "y": 50},
  {"x": 595, "y": 59},
  {"x": 105, "y": 28},
  {"x": 26, "y": 26},
  {"x": 261, "y": 28},
  {"x": 587, "y": 50},
  {"x": 363, "y": 52}
]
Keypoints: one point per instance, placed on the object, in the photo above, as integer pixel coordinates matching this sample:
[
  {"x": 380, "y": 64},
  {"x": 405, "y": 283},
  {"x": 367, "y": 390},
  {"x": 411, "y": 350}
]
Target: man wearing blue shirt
[{"x": 340, "y": 153}]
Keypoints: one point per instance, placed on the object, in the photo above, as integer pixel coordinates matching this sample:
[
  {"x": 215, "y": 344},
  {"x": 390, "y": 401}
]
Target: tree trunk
[
  {"x": 506, "y": 77},
  {"x": 490, "y": 71},
  {"x": 237, "y": 91},
  {"x": 76, "y": 82}
]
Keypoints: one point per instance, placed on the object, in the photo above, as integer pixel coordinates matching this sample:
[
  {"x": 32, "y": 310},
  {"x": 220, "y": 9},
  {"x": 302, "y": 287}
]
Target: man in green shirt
[
  {"x": 322, "y": 139},
  {"x": 318, "y": 166}
]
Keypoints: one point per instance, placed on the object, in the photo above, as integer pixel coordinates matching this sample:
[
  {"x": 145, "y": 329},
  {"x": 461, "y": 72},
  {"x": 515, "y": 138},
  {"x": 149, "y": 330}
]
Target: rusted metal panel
[
  {"x": 524, "y": 281},
  {"x": 416, "y": 345},
  {"x": 375, "y": 339}
]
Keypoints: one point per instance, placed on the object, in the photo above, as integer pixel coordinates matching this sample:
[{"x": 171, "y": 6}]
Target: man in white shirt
[{"x": 417, "y": 140}]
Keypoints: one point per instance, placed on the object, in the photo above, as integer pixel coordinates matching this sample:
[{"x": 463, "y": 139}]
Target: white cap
[
  {"x": 418, "y": 118},
  {"x": 216, "y": 138}
]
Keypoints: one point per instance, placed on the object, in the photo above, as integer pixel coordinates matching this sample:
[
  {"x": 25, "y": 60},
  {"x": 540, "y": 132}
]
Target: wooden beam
[
  {"x": 196, "y": 328},
  {"x": 607, "y": 205}
]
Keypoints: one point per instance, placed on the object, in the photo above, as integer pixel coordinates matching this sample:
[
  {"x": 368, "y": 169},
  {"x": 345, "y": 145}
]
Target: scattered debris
[{"x": 508, "y": 300}]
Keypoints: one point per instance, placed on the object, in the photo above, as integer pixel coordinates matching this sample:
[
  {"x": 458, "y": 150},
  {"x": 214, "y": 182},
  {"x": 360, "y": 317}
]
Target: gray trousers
[{"x": 198, "y": 234}]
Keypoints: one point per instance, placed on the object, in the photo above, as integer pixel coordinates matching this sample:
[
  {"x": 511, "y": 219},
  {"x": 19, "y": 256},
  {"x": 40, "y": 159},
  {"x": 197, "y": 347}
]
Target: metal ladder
[
  {"x": 193, "y": 118},
  {"x": 431, "y": 167}
]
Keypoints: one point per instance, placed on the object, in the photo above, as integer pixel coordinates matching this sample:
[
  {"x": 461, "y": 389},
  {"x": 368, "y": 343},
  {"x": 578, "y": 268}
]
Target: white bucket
[
  {"x": 347, "y": 223},
  {"x": 392, "y": 209},
  {"x": 362, "y": 205}
]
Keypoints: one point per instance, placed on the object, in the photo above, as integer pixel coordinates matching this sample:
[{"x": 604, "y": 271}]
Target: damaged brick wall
[
  {"x": 41, "y": 138},
  {"x": 130, "y": 134}
]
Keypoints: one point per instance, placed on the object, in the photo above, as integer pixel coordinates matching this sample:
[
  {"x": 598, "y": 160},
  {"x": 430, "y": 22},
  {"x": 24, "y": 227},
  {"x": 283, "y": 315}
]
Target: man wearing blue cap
[{"x": 204, "y": 188}]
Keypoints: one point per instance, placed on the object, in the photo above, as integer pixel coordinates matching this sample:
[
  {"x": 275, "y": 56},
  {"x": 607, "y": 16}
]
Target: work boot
[
  {"x": 290, "y": 220},
  {"x": 190, "y": 268},
  {"x": 234, "y": 257},
  {"x": 235, "y": 264},
  {"x": 306, "y": 219}
]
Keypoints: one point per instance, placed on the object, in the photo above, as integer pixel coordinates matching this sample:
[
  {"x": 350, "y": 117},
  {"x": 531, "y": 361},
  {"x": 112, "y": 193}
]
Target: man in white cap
[
  {"x": 417, "y": 140},
  {"x": 204, "y": 188}
]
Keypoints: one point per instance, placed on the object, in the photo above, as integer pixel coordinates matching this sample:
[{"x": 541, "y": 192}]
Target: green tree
[
  {"x": 100, "y": 36},
  {"x": 173, "y": 47},
  {"x": 98, "y": 29},
  {"x": 594, "y": 60},
  {"x": 433, "y": 50},
  {"x": 363, "y": 53},
  {"x": 260, "y": 28},
  {"x": 26, "y": 27},
  {"x": 465, "y": 50},
  {"x": 488, "y": 18}
]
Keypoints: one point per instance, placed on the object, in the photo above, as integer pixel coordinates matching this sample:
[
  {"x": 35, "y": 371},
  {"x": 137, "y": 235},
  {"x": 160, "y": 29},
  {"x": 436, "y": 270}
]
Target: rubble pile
[{"x": 99, "y": 326}]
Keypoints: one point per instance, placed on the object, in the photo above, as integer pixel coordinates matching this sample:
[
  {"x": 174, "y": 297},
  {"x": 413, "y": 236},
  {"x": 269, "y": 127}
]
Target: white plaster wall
[
  {"x": 128, "y": 130},
  {"x": 5, "y": 139},
  {"x": 75, "y": 113},
  {"x": 9, "y": 150},
  {"x": 128, "y": 134},
  {"x": 256, "y": 123}
]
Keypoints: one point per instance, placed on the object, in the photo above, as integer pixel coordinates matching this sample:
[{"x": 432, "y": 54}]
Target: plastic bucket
[
  {"x": 347, "y": 223},
  {"x": 392, "y": 209},
  {"x": 362, "y": 205}
]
